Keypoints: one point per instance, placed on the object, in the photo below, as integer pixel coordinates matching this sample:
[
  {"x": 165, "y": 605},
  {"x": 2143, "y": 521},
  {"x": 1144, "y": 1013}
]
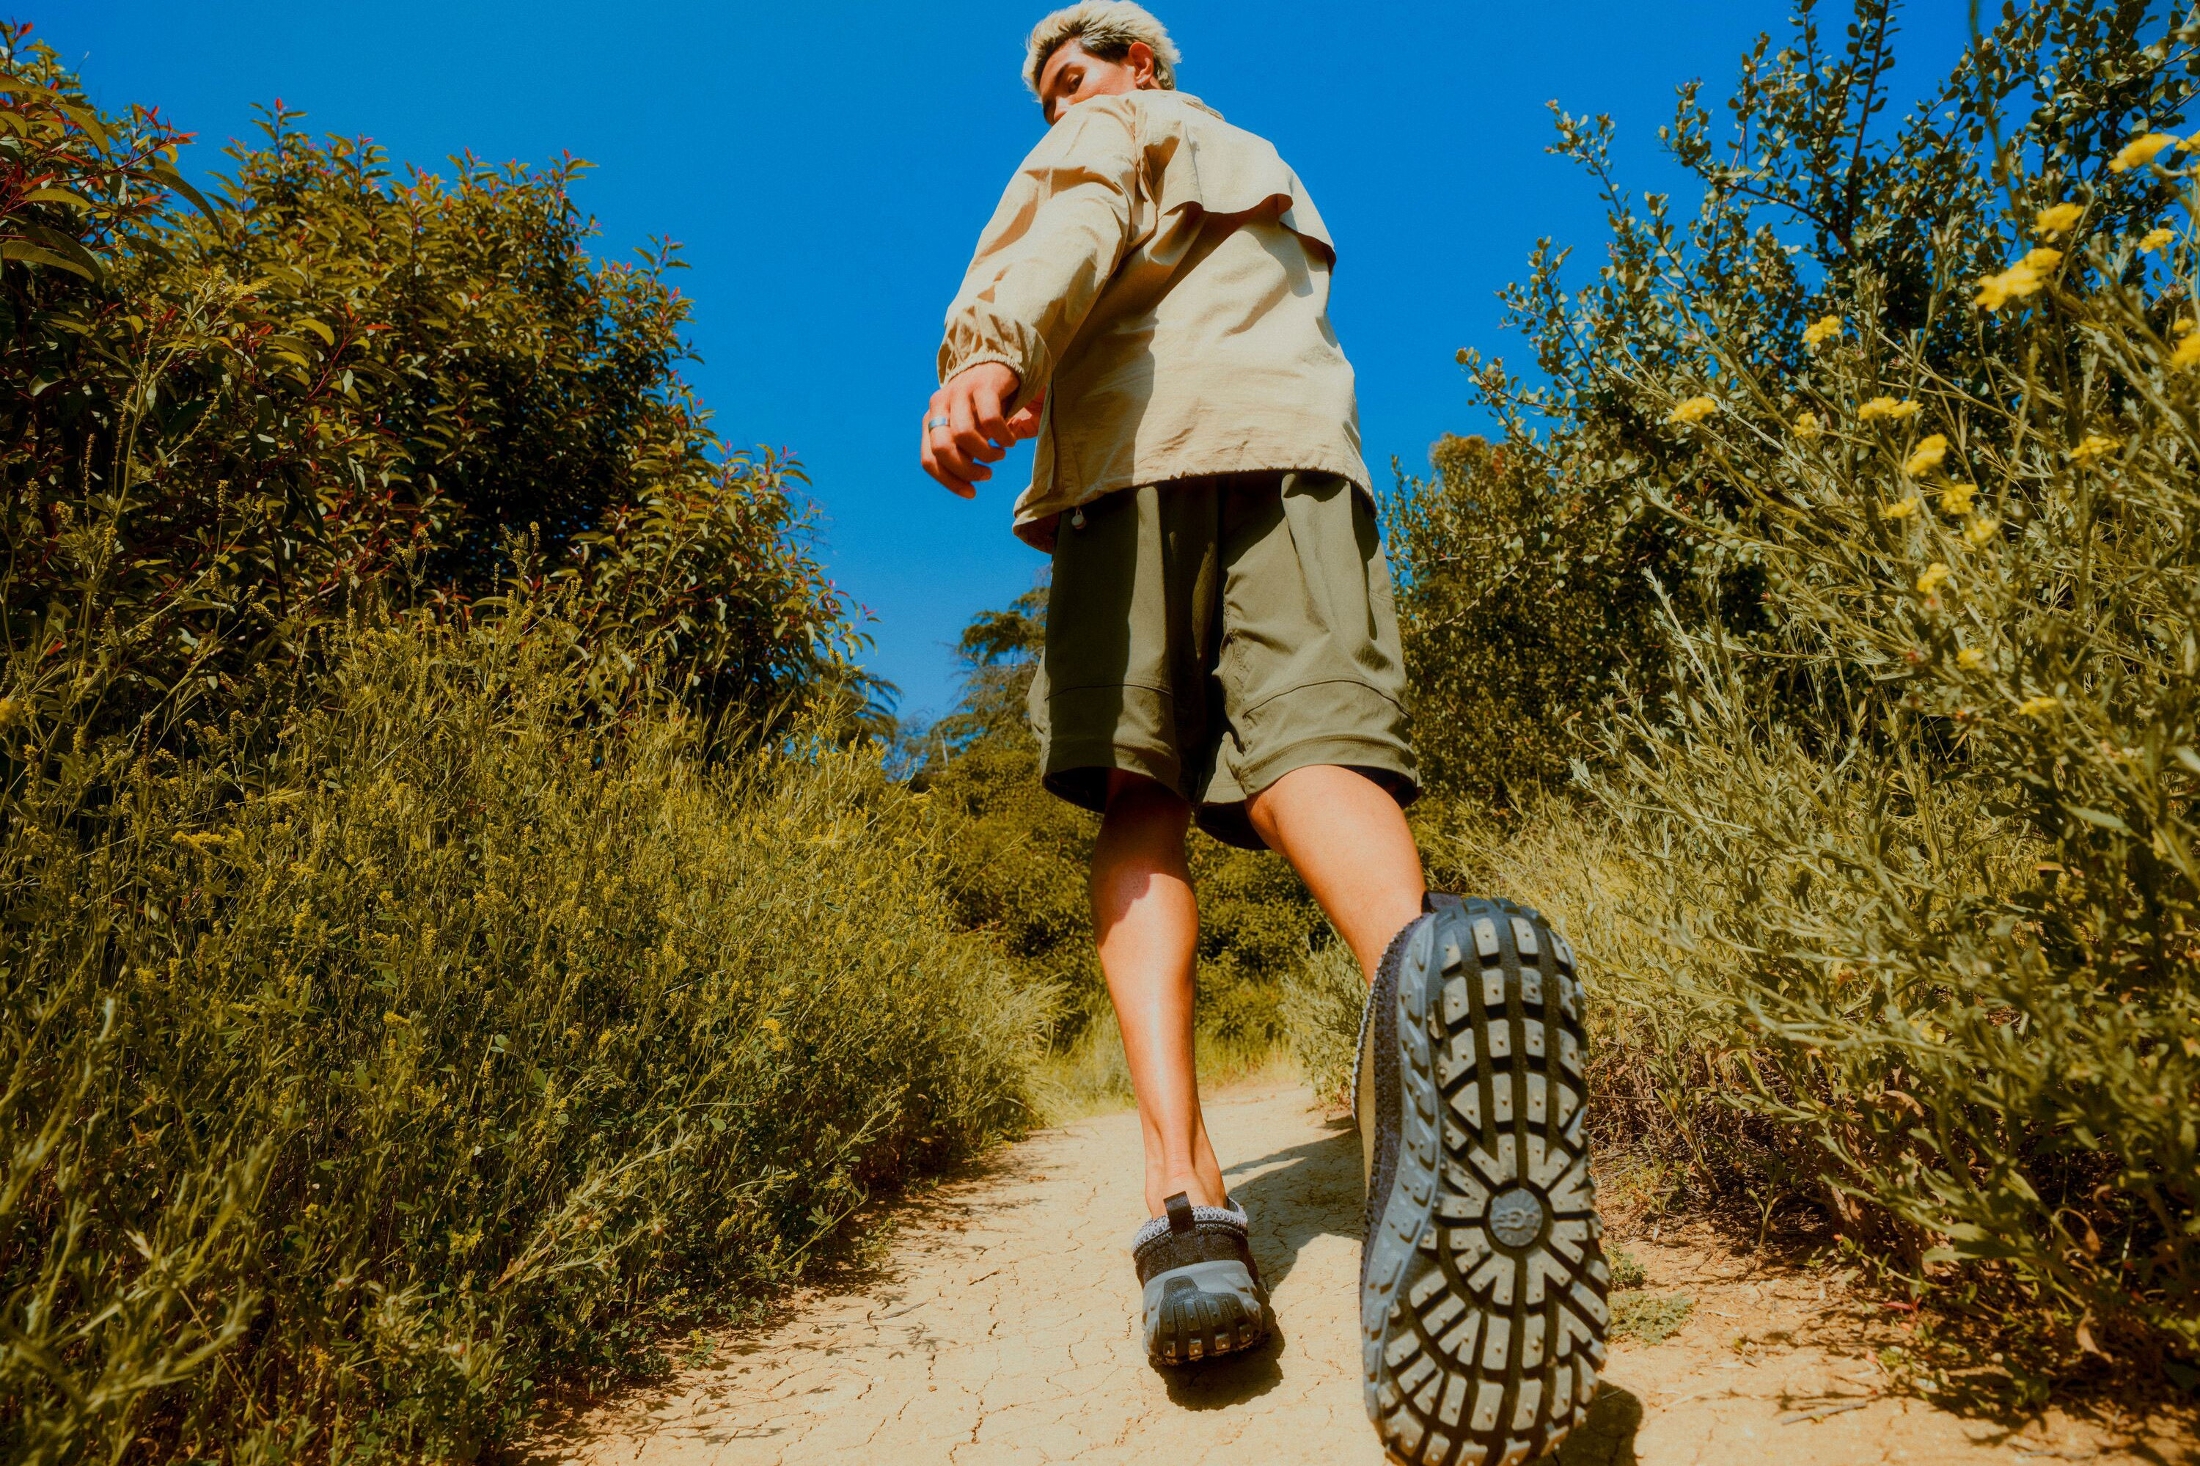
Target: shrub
[
  {"x": 1892, "y": 894},
  {"x": 1526, "y": 609},
  {"x": 404, "y": 1011},
  {"x": 360, "y": 1089},
  {"x": 1322, "y": 999},
  {"x": 226, "y": 430}
]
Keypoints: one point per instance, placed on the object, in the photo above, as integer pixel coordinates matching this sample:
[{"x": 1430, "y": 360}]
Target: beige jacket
[{"x": 1165, "y": 278}]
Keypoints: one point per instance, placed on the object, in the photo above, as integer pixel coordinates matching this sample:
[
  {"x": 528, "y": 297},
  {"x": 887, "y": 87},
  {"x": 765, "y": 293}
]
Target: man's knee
[{"x": 1265, "y": 803}]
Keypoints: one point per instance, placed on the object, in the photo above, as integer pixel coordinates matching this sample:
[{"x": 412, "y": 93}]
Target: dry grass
[{"x": 365, "y": 1077}]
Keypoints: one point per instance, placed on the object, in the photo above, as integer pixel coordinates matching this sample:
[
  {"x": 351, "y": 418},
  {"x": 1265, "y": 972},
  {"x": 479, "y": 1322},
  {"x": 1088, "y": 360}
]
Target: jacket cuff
[{"x": 1029, "y": 381}]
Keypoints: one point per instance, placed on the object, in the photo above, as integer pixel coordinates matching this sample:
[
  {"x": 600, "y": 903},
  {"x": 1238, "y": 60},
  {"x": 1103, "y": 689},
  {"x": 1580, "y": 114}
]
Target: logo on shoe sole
[{"x": 1516, "y": 1217}]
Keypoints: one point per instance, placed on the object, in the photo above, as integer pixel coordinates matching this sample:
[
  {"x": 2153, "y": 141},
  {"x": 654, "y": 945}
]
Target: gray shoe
[
  {"x": 1482, "y": 1285},
  {"x": 1203, "y": 1294}
]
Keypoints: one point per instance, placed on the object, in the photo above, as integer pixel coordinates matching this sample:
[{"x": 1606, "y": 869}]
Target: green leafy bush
[
  {"x": 362, "y": 1087},
  {"x": 1322, "y": 999},
  {"x": 1891, "y": 891},
  {"x": 229, "y": 429},
  {"x": 1526, "y": 608},
  {"x": 414, "y": 999}
]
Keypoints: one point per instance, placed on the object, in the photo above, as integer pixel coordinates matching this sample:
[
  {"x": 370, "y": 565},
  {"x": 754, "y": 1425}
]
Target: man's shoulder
[
  {"x": 1218, "y": 166},
  {"x": 1152, "y": 112},
  {"x": 1182, "y": 112}
]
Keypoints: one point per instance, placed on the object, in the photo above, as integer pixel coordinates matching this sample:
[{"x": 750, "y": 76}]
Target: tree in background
[
  {"x": 1547, "y": 598},
  {"x": 231, "y": 428},
  {"x": 1017, "y": 857}
]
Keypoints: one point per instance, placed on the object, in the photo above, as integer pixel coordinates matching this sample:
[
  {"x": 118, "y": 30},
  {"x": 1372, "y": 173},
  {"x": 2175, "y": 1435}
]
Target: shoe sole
[
  {"x": 1483, "y": 1294},
  {"x": 1193, "y": 1323}
]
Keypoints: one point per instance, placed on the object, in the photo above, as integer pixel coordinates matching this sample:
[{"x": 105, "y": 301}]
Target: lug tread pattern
[
  {"x": 1195, "y": 1325},
  {"x": 1484, "y": 1295}
]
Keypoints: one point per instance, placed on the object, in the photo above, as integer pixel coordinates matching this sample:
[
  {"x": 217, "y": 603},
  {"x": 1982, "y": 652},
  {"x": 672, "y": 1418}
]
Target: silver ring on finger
[{"x": 937, "y": 422}]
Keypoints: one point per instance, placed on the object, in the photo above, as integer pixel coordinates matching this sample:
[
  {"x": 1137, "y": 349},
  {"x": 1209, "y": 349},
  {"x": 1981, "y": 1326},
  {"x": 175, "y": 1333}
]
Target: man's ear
[{"x": 1140, "y": 59}]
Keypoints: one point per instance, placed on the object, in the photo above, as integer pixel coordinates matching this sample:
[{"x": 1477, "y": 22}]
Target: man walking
[{"x": 1150, "y": 301}]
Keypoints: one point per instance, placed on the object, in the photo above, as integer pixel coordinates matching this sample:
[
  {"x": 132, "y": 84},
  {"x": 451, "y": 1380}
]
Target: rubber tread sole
[
  {"x": 1194, "y": 1325},
  {"x": 1484, "y": 1293}
]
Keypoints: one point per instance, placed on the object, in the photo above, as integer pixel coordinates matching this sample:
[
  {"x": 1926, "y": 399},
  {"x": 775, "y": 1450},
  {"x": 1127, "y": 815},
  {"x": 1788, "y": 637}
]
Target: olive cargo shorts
[{"x": 1216, "y": 633}]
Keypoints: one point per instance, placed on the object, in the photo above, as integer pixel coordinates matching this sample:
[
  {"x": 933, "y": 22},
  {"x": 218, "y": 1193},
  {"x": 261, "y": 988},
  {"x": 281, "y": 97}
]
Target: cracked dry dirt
[{"x": 1000, "y": 1330}]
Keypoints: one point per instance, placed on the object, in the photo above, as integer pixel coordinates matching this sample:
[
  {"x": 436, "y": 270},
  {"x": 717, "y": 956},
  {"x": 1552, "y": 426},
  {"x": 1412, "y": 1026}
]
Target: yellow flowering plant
[
  {"x": 1886, "y": 409},
  {"x": 1822, "y": 330},
  {"x": 1825, "y": 641},
  {"x": 2057, "y": 219},
  {"x": 1926, "y": 456},
  {"x": 2141, "y": 151},
  {"x": 1693, "y": 410},
  {"x": 2014, "y": 283}
]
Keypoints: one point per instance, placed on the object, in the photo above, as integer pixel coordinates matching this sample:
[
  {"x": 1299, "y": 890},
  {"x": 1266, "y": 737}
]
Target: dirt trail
[{"x": 1002, "y": 1332}]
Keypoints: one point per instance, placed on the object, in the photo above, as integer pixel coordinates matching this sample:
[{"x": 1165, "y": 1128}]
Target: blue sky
[{"x": 827, "y": 165}]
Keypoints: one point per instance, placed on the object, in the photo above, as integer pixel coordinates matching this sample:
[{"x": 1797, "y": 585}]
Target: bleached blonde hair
[{"x": 1106, "y": 28}]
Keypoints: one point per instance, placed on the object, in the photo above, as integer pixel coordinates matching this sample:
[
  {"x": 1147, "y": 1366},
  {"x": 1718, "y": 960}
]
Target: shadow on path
[
  {"x": 1607, "y": 1437},
  {"x": 1230, "y": 1380},
  {"x": 1313, "y": 1190}
]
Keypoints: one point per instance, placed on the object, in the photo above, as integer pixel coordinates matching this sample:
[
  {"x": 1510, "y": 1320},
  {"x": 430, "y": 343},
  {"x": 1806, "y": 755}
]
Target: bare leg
[
  {"x": 1147, "y": 923},
  {"x": 1348, "y": 840}
]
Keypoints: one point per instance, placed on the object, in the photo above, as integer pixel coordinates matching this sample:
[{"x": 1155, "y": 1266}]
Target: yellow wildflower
[
  {"x": 2156, "y": 238},
  {"x": 770, "y": 1025},
  {"x": 1956, "y": 498},
  {"x": 1825, "y": 328},
  {"x": 1694, "y": 410},
  {"x": 2140, "y": 151},
  {"x": 1886, "y": 409},
  {"x": 1980, "y": 530},
  {"x": 2042, "y": 259},
  {"x": 1926, "y": 456},
  {"x": 1901, "y": 510},
  {"x": 1970, "y": 657},
  {"x": 2014, "y": 283},
  {"x": 2095, "y": 446},
  {"x": 10, "y": 709},
  {"x": 2056, "y": 219},
  {"x": 2040, "y": 706},
  {"x": 1807, "y": 426},
  {"x": 2185, "y": 327},
  {"x": 1935, "y": 576},
  {"x": 2187, "y": 353}
]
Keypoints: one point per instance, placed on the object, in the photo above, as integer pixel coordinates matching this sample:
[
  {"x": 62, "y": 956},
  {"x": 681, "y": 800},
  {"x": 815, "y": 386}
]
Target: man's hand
[{"x": 966, "y": 427}]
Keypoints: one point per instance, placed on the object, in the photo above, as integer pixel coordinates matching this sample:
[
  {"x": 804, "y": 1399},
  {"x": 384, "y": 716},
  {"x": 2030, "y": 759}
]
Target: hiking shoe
[
  {"x": 1482, "y": 1285},
  {"x": 1203, "y": 1291}
]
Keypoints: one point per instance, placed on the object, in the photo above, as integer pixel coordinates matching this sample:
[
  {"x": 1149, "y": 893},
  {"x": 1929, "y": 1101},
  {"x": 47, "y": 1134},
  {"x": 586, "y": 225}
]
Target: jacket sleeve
[{"x": 1060, "y": 231}]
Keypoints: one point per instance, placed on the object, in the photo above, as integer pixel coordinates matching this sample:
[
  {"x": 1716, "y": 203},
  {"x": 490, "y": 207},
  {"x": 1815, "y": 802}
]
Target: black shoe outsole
[
  {"x": 1197, "y": 1326},
  {"x": 1484, "y": 1288}
]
